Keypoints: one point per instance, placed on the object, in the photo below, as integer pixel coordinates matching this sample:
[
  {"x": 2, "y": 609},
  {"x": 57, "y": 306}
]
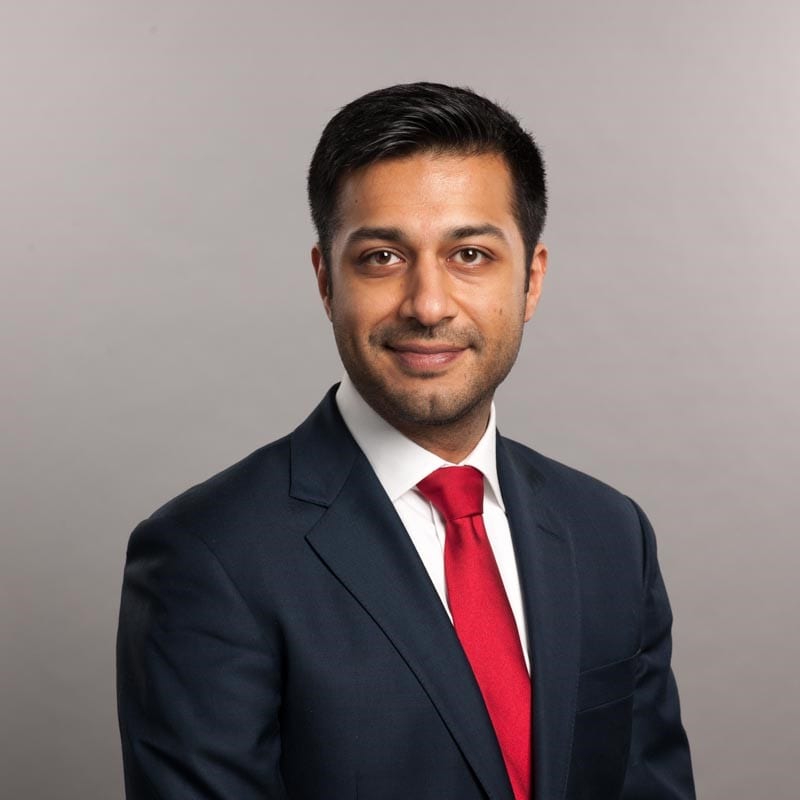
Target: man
[{"x": 346, "y": 613}]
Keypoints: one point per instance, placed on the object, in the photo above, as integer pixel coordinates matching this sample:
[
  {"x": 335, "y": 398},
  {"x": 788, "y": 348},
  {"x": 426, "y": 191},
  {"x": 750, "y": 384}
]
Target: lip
[{"x": 425, "y": 357}]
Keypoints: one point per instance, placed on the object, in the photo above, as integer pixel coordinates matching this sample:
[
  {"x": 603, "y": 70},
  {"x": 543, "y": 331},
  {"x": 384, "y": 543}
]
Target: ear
[
  {"x": 538, "y": 270},
  {"x": 323, "y": 278}
]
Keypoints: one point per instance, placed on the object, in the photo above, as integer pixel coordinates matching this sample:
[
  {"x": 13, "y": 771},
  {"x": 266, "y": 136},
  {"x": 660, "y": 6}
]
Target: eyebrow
[
  {"x": 397, "y": 235},
  {"x": 468, "y": 231},
  {"x": 385, "y": 234}
]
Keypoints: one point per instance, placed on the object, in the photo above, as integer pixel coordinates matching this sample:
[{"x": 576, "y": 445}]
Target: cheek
[
  {"x": 354, "y": 317},
  {"x": 363, "y": 307},
  {"x": 501, "y": 323},
  {"x": 499, "y": 315}
]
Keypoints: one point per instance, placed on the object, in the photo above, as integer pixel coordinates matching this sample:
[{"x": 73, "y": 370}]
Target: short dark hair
[{"x": 424, "y": 117}]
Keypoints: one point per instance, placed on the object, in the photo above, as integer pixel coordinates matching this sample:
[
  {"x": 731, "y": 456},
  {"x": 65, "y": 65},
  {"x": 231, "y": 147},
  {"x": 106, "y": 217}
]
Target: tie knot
[{"x": 455, "y": 492}]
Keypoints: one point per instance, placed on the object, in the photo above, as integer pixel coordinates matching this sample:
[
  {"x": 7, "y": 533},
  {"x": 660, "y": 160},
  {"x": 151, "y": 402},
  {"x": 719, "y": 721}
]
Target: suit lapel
[
  {"x": 364, "y": 544},
  {"x": 546, "y": 566}
]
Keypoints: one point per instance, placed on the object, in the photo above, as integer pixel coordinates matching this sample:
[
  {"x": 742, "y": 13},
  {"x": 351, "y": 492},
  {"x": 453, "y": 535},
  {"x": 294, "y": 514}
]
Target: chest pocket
[{"x": 607, "y": 683}]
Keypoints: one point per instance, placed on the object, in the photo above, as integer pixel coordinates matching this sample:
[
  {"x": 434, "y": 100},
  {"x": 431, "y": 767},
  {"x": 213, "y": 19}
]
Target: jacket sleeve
[
  {"x": 659, "y": 767},
  {"x": 198, "y": 682}
]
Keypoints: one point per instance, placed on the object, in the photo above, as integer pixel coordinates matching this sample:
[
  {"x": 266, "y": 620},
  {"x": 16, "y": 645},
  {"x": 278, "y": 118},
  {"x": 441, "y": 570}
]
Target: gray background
[{"x": 159, "y": 319}]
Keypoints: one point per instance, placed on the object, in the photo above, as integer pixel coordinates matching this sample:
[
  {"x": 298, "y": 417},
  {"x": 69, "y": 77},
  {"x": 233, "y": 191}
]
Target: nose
[{"x": 428, "y": 293}]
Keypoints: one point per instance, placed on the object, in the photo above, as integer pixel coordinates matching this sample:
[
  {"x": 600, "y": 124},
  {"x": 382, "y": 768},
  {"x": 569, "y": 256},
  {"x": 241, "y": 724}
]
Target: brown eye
[
  {"x": 381, "y": 258},
  {"x": 470, "y": 256}
]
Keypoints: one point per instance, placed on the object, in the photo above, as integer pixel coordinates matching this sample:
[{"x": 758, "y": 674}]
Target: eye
[
  {"x": 381, "y": 258},
  {"x": 470, "y": 256}
]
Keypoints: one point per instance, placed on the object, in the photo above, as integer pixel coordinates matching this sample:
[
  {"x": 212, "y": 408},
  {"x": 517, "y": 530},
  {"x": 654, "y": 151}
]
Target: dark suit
[{"x": 280, "y": 638}]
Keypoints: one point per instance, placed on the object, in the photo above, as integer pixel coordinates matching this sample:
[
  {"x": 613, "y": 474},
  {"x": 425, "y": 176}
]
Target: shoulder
[
  {"x": 236, "y": 510},
  {"x": 260, "y": 502},
  {"x": 259, "y": 476},
  {"x": 569, "y": 488},
  {"x": 612, "y": 541}
]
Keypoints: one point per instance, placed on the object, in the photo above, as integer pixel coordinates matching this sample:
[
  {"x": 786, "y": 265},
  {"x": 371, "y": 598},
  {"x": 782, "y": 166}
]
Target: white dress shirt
[{"x": 401, "y": 464}]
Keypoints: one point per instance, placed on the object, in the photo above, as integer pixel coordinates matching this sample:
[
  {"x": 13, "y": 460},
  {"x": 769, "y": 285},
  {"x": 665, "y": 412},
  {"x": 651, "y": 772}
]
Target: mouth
[{"x": 425, "y": 357}]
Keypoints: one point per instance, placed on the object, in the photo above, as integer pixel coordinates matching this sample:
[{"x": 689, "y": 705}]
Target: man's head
[
  {"x": 428, "y": 219},
  {"x": 424, "y": 117}
]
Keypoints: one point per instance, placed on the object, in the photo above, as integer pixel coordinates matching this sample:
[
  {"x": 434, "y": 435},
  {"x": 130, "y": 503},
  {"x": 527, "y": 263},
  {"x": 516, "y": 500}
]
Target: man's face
[{"x": 426, "y": 286}]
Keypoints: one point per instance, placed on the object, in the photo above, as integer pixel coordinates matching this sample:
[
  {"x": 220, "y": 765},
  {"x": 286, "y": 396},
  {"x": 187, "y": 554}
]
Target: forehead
[{"x": 427, "y": 189}]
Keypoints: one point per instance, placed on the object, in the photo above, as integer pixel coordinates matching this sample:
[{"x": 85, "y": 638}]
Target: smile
[{"x": 427, "y": 357}]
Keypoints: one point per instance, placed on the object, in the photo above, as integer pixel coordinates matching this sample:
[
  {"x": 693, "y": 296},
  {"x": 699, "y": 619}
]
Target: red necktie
[{"x": 482, "y": 616}]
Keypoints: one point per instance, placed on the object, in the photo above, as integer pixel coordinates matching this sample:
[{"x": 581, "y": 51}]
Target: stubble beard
[{"x": 426, "y": 408}]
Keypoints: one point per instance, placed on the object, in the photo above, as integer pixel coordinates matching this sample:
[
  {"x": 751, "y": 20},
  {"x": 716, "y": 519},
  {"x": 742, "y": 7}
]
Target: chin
[{"x": 433, "y": 409}]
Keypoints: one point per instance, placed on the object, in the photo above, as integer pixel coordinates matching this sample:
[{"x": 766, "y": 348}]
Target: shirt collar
[{"x": 399, "y": 463}]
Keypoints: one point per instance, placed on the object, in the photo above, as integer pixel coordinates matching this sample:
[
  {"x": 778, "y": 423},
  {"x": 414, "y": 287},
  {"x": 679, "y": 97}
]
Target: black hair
[{"x": 424, "y": 117}]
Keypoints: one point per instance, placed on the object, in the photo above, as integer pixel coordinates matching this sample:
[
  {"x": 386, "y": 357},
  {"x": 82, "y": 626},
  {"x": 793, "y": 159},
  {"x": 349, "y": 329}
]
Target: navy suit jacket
[{"x": 280, "y": 638}]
